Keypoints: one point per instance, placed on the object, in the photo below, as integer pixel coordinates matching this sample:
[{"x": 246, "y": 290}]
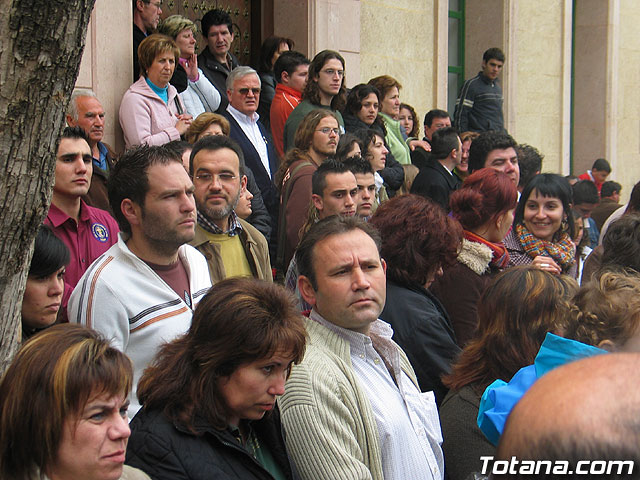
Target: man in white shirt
[
  {"x": 141, "y": 292},
  {"x": 352, "y": 408},
  {"x": 243, "y": 91}
]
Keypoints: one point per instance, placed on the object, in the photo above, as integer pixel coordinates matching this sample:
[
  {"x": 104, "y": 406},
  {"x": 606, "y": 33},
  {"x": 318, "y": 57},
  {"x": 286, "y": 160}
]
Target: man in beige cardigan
[{"x": 352, "y": 408}]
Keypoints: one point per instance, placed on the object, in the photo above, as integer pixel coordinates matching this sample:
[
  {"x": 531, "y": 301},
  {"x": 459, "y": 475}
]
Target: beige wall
[
  {"x": 626, "y": 160},
  {"x": 408, "y": 40},
  {"x": 107, "y": 63},
  {"x": 398, "y": 38},
  {"x": 537, "y": 86}
]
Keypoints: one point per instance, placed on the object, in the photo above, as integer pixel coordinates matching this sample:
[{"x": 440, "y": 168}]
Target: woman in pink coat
[{"x": 151, "y": 111}]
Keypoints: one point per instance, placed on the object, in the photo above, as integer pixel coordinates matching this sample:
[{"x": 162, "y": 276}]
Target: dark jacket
[
  {"x": 420, "y": 157},
  {"x": 461, "y": 286},
  {"x": 217, "y": 74},
  {"x": 421, "y": 327},
  {"x": 252, "y": 160},
  {"x": 259, "y": 217},
  {"x": 168, "y": 451},
  {"x": 392, "y": 173},
  {"x": 479, "y": 106},
  {"x": 138, "y": 37},
  {"x": 268, "y": 91},
  {"x": 97, "y": 195},
  {"x": 463, "y": 443},
  {"x": 436, "y": 183}
]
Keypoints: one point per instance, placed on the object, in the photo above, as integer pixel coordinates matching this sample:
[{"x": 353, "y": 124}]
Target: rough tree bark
[{"x": 41, "y": 44}]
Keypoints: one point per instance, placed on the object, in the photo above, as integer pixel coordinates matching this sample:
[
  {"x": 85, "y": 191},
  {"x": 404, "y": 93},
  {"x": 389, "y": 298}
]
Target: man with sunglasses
[
  {"x": 325, "y": 89},
  {"x": 243, "y": 91},
  {"x": 146, "y": 15}
]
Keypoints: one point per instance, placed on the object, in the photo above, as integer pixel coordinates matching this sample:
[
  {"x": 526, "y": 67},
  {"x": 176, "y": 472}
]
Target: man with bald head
[{"x": 578, "y": 417}]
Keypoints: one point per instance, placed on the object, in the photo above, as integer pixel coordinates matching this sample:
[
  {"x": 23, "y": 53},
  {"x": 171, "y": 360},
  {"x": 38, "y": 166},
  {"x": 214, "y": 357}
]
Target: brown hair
[
  {"x": 151, "y": 47},
  {"x": 204, "y": 121},
  {"x": 239, "y": 321},
  {"x": 417, "y": 238},
  {"x": 312, "y": 91},
  {"x": 515, "y": 312},
  {"x": 606, "y": 308},
  {"x": 384, "y": 83},
  {"x": 302, "y": 140},
  {"x": 327, "y": 227},
  {"x": 53, "y": 376},
  {"x": 416, "y": 124}
]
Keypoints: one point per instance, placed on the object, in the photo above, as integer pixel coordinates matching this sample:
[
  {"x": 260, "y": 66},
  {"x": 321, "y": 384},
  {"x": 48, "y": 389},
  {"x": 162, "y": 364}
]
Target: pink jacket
[{"x": 145, "y": 118}]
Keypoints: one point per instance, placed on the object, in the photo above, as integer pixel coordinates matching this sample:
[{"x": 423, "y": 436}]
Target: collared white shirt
[
  {"x": 249, "y": 125},
  {"x": 407, "y": 420}
]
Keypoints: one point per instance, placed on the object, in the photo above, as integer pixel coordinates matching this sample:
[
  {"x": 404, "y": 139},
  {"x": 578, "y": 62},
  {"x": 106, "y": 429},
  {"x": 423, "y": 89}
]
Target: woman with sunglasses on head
[{"x": 194, "y": 88}]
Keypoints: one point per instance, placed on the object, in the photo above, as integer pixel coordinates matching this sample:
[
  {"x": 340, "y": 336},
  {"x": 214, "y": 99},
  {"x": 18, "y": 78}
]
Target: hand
[
  {"x": 419, "y": 143},
  {"x": 547, "y": 264},
  {"x": 184, "y": 121},
  {"x": 191, "y": 67}
]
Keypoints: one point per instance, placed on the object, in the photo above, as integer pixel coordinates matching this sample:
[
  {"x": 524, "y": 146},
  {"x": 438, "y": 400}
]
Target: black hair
[
  {"x": 50, "y": 253},
  {"x": 609, "y": 188},
  {"x": 217, "y": 142},
  {"x": 268, "y": 49},
  {"x": 213, "y": 18},
  {"x": 485, "y": 143},
  {"x": 357, "y": 94},
  {"x": 288, "y": 62},
  {"x": 621, "y": 243},
  {"x": 178, "y": 146},
  {"x": 332, "y": 225},
  {"x": 433, "y": 114},
  {"x": 494, "y": 53},
  {"x": 602, "y": 165},
  {"x": 547, "y": 185},
  {"x": 358, "y": 165},
  {"x": 443, "y": 141},
  {"x": 319, "y": 177},
  {"x": 585, "y": 191},
  {"x": 75, "y": 133},
  {"x": 129, "y": 179},
  {"x": 530, "y": 161},
  {"x": 345, "y": 144}
]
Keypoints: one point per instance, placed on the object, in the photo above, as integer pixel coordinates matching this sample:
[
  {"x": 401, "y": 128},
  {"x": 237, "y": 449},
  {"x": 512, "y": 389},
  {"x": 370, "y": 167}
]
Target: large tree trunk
[{"x": 40, "y": 52}]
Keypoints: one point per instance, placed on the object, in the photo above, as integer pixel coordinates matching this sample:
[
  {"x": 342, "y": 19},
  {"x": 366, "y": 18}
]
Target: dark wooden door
[{"x": 241, "y": 14}]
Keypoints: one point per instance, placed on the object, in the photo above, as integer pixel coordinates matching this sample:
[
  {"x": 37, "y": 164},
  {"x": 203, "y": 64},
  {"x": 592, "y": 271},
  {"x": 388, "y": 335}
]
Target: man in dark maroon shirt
[{"x": 87, "y": 231}]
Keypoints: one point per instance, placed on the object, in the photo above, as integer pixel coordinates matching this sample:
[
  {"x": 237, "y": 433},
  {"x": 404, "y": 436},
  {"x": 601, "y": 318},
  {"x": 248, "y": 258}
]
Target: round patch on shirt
[{"x": 100, "y": 232}]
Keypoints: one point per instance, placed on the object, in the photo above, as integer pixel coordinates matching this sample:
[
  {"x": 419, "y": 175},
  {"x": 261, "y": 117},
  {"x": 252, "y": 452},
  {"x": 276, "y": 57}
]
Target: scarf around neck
[
  {"x": 562, "y": 251},
  {"x": 500, "y": 256}
]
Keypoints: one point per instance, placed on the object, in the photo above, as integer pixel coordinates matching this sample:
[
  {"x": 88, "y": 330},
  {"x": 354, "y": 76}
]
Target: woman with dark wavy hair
[
  {"x": 360, "y": 114},
  {"x": 515, "y": 312},
  {"x": 484, "y": 207},
  {"x": 418, "y": 240},
  {"x": 209, "y": 398}
]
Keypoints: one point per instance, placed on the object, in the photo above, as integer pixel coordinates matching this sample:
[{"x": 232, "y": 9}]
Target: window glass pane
[
  {"x": 454, "y": 42},
  {"x": 454, "y": 5},
  {"x": 453, "y": 90}
]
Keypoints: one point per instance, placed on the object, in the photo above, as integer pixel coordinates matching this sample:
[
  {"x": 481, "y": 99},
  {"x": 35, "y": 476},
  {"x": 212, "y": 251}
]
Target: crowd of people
[{"x": 278, "y": 279}]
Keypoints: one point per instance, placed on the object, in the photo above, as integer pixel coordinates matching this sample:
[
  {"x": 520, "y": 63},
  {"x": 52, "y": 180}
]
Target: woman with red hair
[
  {"x": 418, "y": 239},
  {"x": 484, "y": 207}
]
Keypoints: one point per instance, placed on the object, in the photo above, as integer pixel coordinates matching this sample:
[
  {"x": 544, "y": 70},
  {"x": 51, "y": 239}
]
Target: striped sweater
[{"x": 121, "y": 297}]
